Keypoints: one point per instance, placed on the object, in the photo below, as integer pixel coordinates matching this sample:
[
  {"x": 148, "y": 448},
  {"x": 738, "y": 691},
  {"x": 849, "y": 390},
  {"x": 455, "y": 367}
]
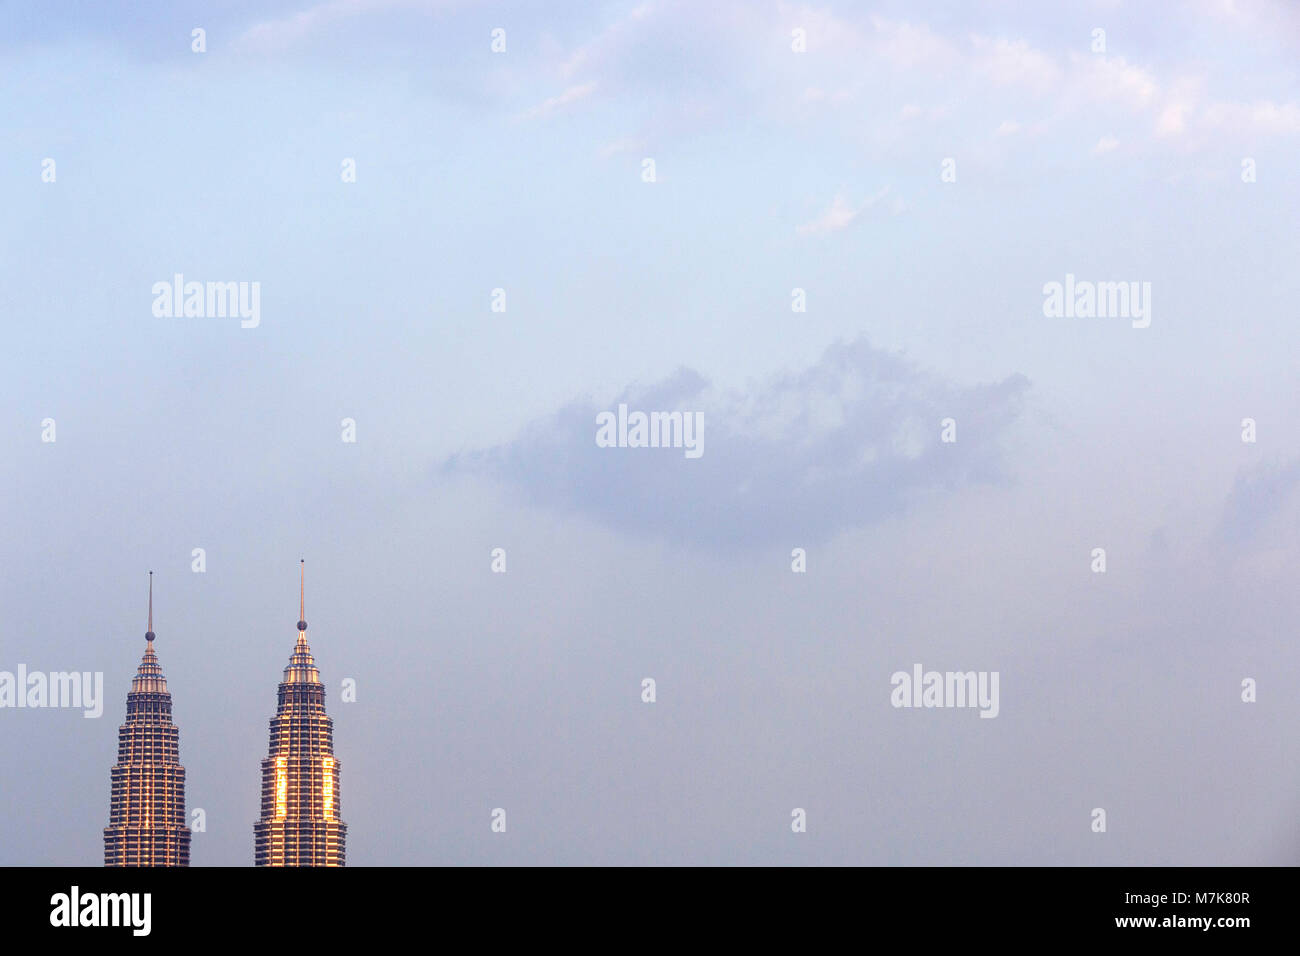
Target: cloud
[
  {"x": 282, "y": 32},
  {"x": 734, "y": 59},
  {"x": 1114, "y": 80},
  {"x": 1105, "y": 145},
  {"x": 1173, "y": 118},
  {"x": 570, "y": 96},
  {"x": 1015, "y": 63},
  {"x": 853, "y": 439},
  {"x": 907, "y": 46},
  {"x": 815, "y": 94},
  {"x": 1043, "y": 87},
  {"x": 628, "y": 144},
  {"x": 611, "y": 43},
  {"x": 1265, "y": 117},
  {"x": 841, "y": 214},
  {"x": 1256, "y": 498},
  {"x": 838, "y": 216}
]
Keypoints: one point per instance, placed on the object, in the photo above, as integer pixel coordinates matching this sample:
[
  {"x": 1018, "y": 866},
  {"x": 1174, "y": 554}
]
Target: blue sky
[{"x": 775, "y": 170}]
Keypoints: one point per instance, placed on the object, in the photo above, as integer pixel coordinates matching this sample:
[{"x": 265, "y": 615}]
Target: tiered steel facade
[
  {"x": 300, "y": 823},
  {"x": 146, "y": 819}
]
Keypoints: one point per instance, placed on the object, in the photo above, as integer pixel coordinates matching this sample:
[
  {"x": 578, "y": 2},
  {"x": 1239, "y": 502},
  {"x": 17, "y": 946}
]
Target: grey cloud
[
  {"x": 1257, "y": 495},
  {"x": 851, "y": 440}
]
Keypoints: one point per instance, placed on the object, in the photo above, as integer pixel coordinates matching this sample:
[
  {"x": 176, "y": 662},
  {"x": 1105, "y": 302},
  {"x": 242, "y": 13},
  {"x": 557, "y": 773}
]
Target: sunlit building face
[{"x": 299, "y": 824}]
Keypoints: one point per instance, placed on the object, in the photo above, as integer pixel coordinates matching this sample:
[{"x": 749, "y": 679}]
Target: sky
[{"x": 912, "y": 174}]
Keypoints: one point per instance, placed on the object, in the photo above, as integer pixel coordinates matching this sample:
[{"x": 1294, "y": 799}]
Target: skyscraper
[
  {"x": 146, "y": 817},
  {"x": 300, "y": 823}
]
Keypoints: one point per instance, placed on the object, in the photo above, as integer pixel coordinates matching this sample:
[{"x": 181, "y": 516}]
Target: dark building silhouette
[
  {"x": 300, "y": 823},
  {"x": 146, "y": 817}
]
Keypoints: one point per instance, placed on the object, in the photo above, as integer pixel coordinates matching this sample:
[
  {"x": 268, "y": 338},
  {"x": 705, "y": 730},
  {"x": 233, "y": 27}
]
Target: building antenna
[
  {"x": 302, "y": 594},
  {"x": 149, "y": 634}
]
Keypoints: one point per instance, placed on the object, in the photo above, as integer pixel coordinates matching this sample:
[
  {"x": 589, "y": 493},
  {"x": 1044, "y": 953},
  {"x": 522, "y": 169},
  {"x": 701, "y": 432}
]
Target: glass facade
[
  {"x": 146, "y": 817},
  {"x": 300, "y": 823}
]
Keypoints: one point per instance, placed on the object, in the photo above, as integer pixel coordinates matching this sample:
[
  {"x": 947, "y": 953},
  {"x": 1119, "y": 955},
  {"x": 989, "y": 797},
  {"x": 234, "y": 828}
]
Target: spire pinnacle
[
  {"x": 149, "y": 635},
  {"x": 302, "y": 594}
]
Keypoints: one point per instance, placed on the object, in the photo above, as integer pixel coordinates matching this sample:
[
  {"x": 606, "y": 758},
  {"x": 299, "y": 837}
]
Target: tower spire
[
  {"x": 302, "y": 594},
  {"x": 149, "y": 634}
]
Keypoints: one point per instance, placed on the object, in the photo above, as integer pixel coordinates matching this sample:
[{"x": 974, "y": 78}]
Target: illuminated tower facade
[
  {"x": 300, "y": 823},
  {"x": 146, "y": 816}
]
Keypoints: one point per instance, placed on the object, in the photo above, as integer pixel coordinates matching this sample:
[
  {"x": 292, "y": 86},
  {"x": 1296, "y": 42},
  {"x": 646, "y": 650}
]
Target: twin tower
[{"x": 299, "y": 825}]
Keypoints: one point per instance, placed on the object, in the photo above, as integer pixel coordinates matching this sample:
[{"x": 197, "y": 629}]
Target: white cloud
[
  {"x": 1173, "y": 118},
  {"x": 1114, "y": 79},
  {"x": 908, "y": 45},
  {"x": 838, "y": 216},
  {"x": 1015, "y": 63},
  {"x": 609, "y": 43},
  {"x": 282, "y": 32},
  {"x": 619, "y": 146},
  {"x": 552, "y": 104},
  {"x": 841, "y": 214},
  {"x": 1264, "y": 117}
]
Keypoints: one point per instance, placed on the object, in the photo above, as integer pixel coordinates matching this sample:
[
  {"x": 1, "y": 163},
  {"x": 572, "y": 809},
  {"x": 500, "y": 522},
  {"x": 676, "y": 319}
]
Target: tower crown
[
  {"x": 149, "y": 677},
  {"x": 302, "y": 666}
]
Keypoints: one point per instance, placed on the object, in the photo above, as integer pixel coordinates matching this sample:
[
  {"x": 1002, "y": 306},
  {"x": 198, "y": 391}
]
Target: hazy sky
[{"x": 775, "y": 170}]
